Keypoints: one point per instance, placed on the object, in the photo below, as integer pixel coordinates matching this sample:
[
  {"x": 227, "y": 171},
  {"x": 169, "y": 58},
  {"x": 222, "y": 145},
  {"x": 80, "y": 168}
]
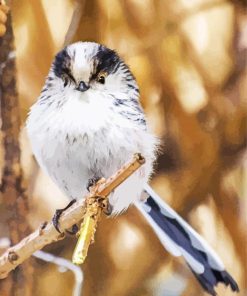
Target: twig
[
  {"x": 62, "y": 262},
  {"x": 75, "y": 20},
  {"x": 47, "y": 233}
]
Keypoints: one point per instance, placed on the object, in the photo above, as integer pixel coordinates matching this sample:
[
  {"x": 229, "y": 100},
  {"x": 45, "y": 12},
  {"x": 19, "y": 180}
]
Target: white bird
[{"x": 86, "y": 124}]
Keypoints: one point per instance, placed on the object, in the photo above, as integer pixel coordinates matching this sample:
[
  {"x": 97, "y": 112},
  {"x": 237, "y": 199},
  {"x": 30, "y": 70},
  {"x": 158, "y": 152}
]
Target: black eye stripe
[
  {"x": 62, "y": 66},
  {"x": 67, "y": 77},
  {"x": 71, "y": 77},
  {"x": 106, "y": 60},
  {"x": 62, "y": 63}
]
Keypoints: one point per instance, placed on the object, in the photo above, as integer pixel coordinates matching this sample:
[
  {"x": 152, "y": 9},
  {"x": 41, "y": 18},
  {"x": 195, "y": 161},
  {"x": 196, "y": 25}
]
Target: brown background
[{"x": 189, "y": 60}]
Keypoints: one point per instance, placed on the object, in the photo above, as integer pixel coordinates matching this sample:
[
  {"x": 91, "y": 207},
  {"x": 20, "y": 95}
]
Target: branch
[
  {"x": 47, "y": 233},
  {"x": 14, "y": 202},
  {"x": 75, "y": 21},
  {"x": 65, "y": 263}
]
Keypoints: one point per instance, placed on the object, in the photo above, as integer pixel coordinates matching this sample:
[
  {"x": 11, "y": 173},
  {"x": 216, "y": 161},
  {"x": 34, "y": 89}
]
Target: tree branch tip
[{"x": 139, "y": 158}]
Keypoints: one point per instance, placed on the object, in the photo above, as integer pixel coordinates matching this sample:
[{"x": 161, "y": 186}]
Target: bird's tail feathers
[{"x": 180, "y": 239}]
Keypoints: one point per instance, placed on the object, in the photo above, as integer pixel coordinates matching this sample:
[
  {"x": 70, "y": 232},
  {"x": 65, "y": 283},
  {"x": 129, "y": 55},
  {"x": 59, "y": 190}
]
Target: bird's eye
[
  {"x": 101, "y": 78},
  {"x": 66, "y": 81}
]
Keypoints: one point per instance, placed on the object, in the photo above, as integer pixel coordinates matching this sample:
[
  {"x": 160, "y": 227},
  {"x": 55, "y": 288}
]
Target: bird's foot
[
  {"x": 105, "y": 205},
  {"x": 57, "y": 215},
  {"x": 74, "y": 230},
  {"x": 91, "y": 182},
  {"x": 102, "y": 202},
  {"x": 108, "y": 209}
]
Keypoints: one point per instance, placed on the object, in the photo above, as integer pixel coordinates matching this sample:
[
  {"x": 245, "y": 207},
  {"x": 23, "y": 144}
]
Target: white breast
[{"x": 84, "y": 137}]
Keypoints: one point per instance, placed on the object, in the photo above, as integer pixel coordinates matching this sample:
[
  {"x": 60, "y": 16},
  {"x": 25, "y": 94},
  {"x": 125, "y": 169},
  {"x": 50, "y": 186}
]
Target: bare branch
[
  {"x": 47, "y": 233},
  {"x": 65, "y": 263},
  {"x": 75, "y": 20},
  {"x": 14, "y": 201}
]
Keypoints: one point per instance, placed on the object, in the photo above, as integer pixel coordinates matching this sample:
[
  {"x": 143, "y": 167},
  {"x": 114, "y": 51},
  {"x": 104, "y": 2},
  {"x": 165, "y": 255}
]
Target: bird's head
[{"x": 91, "y": 68}]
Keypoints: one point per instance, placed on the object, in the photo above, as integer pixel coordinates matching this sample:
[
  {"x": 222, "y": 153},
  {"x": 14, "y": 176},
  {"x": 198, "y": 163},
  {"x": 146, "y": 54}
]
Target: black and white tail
[{"x": 180, "y": 239}]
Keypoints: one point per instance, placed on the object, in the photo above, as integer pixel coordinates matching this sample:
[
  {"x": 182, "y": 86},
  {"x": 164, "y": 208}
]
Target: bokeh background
[{"x": 189, "y": 58}]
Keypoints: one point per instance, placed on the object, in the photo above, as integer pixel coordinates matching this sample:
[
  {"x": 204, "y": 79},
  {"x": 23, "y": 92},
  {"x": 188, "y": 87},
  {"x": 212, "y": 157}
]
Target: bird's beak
[{"x": 82, "y": 86}]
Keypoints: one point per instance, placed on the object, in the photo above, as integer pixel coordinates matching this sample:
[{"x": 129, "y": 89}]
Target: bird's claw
[
  {"x": 57, "y": 215},
  {"x": 105, "y": 205},
  {"x": 74, "y": 230},
  {"x": 91, "y": 182},
  {"x": 108, "y": 209}
]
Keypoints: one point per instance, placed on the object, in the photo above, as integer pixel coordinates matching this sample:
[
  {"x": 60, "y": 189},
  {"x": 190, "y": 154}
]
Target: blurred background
[{"x": 189, "y": 58}]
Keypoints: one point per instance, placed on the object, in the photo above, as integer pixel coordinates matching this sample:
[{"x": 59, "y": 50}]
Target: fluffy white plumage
[{"x": 76, "y": 136}]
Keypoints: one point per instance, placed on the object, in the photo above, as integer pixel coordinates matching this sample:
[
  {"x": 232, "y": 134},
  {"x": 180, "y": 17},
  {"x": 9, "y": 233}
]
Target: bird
[{"x": 87, "y": 122}]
